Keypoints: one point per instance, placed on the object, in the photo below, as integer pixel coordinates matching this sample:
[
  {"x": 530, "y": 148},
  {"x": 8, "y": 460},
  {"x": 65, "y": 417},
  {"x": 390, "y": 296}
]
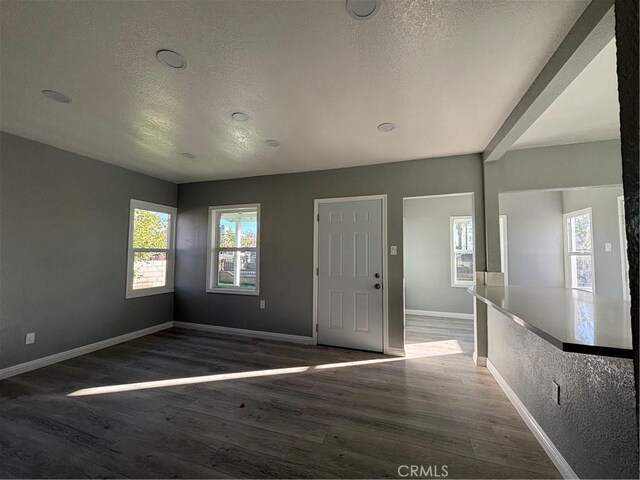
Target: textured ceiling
[
  {"x": 587, "y": 111},
  {"x": 446, "y": 72}
]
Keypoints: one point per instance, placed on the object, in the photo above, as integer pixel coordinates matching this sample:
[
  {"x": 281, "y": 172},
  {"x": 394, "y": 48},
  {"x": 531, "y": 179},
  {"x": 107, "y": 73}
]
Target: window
[
  {"x": 151, "y": 249},
  {"x": 462, "y": 263},
  {"x": 578, "y": 250},
  {"x": 234, "y": 249}
]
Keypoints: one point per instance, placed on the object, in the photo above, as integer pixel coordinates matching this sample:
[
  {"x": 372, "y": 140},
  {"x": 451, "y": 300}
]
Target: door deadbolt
[{"x": 377, "y": 275}]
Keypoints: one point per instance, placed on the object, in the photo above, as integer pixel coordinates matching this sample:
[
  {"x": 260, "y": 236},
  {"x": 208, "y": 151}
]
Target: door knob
[{"x": 377, "y": 286}]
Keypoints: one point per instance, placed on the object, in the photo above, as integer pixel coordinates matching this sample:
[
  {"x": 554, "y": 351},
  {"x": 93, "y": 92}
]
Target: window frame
[
  {"x": 458, "y": 283},
  {"x": 568, "y": 273},
  {"x": 170, "y": 250},
  {"x": 213, "y": 249},
  {"x": 504, "y": 247}
]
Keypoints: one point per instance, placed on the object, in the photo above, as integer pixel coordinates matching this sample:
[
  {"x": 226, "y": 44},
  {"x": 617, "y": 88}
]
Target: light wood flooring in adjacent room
[{"x": 265, "y": 409}]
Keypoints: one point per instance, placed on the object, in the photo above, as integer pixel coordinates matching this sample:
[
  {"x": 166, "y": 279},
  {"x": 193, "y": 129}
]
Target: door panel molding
[{"x": 385, "y": 263}]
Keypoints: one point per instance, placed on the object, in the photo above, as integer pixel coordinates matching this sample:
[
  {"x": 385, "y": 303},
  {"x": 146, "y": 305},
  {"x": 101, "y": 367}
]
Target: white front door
[{"x": 350, "y": 274}]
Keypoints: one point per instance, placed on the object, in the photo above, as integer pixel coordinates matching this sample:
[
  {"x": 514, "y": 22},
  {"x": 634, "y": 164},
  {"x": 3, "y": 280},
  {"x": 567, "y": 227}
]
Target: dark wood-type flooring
[{"x": 266, "y": 409}]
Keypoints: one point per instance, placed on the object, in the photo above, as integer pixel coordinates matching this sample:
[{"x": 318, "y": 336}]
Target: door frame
[
  {"x": 385, "y": 263},
  {"x": 624, "y": 260}
]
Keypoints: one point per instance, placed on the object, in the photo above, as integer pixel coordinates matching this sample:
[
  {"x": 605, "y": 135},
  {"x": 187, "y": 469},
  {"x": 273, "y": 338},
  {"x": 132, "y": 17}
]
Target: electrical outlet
[
  {"x": 394, "y": 250},
  {"x": 30, "y": 338},
  {"x": 555, "y": 395},
  {"x": 263, "y": 304},
  {"x": 608, "y": 247}
]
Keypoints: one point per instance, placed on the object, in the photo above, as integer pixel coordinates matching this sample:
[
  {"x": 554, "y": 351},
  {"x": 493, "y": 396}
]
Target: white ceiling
[
  {"x": 447, "y": 73},
  {"x": 587, "y": 111}
]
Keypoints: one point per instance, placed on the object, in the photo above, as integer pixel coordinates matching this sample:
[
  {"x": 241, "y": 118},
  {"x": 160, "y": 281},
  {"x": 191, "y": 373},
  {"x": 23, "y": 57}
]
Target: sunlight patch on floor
[
  {"x": 416, "y": 350},
  {"x": 432, "y": 349}
]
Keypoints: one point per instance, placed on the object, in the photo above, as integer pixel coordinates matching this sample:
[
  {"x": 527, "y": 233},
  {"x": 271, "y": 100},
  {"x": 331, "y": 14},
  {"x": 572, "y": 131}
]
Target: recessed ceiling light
[
  {"x": 362, "y": 9},
  {"x": 272, "y": 143},
  {"x": 386, "y": 127},
  {"x": 57, "y": 96},
  {"x": 240, "y": 117},
  {"x": 171, "y": 58},
  {"x": 188, "y": 155}
]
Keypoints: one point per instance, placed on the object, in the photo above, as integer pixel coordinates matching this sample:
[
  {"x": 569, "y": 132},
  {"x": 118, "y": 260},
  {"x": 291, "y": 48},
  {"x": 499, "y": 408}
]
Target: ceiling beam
[{"x": 590, "y": 34}]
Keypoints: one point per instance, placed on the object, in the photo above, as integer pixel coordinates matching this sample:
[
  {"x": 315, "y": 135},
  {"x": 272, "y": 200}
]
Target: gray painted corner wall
[
  {"x": 544, "y": 168},
  {"x": 534, "y": 233},
  {"x": 594, "y": 427},
  {"x": 427, "y": 254},
  {"x": 63, "y": 250},
  {"x": 605, "y": 225},
  {"x": 535, "y": 236},
  {"x": 286, "y": 237}
]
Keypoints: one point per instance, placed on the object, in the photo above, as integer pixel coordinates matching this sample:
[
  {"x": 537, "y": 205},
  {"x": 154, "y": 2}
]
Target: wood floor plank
[
  {"x": 225, "y": 411},
  {"x": 402, "y": 453}
]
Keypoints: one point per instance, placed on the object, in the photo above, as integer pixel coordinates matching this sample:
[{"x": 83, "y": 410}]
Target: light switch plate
[
  {"x": 394, "y": 250},
  {"x": 263, "y": 304},
  {"x": 30, "y": 338},
  {"x": 608, "y": 247}
]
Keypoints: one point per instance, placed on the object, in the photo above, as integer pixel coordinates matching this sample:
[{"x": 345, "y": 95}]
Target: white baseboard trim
[
  {"x": 282, "y": 337},
  {"x": 430, "y": 313},
  {"x": 76, "y": 352},
  {"x": 556, "y": 457},
  {"x": 480, "y": 361},
  {"x": 398, "y": 352}
]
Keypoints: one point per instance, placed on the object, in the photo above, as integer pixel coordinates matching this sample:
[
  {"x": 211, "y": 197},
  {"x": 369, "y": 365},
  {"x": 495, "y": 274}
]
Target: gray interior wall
[
  {"x": 604, "y": 217},
  {"x": 534, "y": 233},
  {"x": 563, "y": 166},
  {"x": 427, "y": 254},
  {"x": 63, "y": 250},
  {"x": 286, "y": 237},
  {"x": 594, "y": 427}
]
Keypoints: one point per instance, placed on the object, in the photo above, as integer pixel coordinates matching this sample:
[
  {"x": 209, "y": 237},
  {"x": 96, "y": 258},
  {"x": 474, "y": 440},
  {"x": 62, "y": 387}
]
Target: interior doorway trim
[{"x": 385, "y": 264}]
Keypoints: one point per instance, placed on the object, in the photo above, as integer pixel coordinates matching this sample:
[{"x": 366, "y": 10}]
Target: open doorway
[{"x": 439, "y": 267}]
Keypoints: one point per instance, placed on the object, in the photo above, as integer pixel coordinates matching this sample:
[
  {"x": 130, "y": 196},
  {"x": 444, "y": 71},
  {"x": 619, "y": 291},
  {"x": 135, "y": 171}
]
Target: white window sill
[
  {"x": 462, "y": 285},
  {"x": 146, "y": 292},
  {"x": 233, "y": 291}
]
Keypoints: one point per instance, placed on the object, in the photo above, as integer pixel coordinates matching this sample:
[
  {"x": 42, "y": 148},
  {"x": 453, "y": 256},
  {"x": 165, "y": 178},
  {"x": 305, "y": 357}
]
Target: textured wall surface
[
  {"x": 628, "y": 79},
  {"x": 594, "y": 427},
  {"x": 63, "y": 244},
  {"x": 286, "y": 238},
  {"x": 427, "y": 254}
]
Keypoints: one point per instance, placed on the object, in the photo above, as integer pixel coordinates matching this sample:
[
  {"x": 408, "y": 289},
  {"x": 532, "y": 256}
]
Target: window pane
[
  {"x": 248, "y": 269},
  {"x": 150, "y": 229},
  {"x": 581, "y": 272},
  {"x": 237, "y": 269},
  {"x": 149, "y": 270},
  {"x": 226, "y": 269},
  {"x": 242, "y": 224},
  {"x": 464, "y": 267},
  {"x": 462, "y": 234},
  {"x": 580, "y": 233}
]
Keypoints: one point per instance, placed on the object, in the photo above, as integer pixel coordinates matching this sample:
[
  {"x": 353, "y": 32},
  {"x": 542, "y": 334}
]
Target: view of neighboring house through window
[
  {"x": 151, "y": 249},
  {"x": 579, "y": 271},
  {"x": 462, "y": 264},
  {"x": 234, "y": 249}
]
